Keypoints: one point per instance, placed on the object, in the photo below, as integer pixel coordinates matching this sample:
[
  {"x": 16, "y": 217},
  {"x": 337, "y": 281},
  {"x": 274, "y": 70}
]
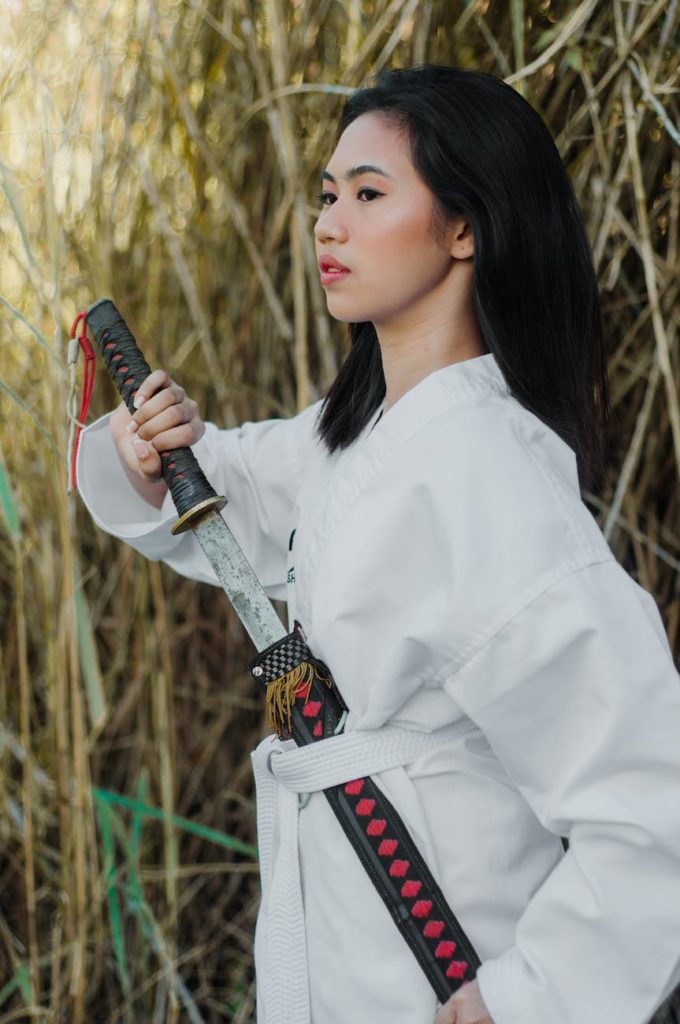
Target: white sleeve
[
  {"x": 580, "y": 700},
  {"x": 257, "y": 466}
]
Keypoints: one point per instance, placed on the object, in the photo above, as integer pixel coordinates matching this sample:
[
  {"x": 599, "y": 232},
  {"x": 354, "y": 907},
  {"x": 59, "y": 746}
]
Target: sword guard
[{"x": 189, "y": 519}]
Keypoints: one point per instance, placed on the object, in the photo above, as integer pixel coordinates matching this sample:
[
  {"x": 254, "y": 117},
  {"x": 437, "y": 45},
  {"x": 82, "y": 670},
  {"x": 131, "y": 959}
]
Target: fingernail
[
  {"x": 138, "y": 401},
  {"x": 141, "y": 448},
  {"x": 132, "y": 426}
]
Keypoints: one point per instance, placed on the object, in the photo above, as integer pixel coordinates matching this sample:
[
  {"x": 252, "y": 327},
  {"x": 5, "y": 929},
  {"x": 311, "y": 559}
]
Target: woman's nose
[{"x": 331, "y": 224}]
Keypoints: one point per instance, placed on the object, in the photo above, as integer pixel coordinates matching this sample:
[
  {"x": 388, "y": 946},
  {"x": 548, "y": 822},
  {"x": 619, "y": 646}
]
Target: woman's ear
[{"x": 461, "y": 238}]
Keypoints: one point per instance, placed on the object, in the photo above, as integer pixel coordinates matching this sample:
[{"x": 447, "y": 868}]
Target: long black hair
[{"x": 485, "y": 153}]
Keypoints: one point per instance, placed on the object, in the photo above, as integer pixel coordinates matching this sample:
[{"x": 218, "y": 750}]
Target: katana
[{"x": 303, "y": 701}]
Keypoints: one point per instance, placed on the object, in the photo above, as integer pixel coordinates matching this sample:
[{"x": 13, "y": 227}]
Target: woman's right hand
[{"x": 165, "y": 419}]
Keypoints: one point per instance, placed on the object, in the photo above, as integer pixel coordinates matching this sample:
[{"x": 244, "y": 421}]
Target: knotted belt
[{"x": 304, "y": 706}]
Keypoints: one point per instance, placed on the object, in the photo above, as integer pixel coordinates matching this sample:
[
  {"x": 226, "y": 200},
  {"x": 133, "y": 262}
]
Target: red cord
[{"x": 88, "y": 384}]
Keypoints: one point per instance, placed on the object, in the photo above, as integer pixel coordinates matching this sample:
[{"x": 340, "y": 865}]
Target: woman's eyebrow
[{"x": 354, "y": 172}]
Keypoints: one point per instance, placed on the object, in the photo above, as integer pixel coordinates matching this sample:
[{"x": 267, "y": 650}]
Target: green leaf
[
  {"x": 8, "y": 504},
  {"x": 142, "y": 791},
  {"x": 574, "y": 58},
  {"x": 105, "y": 815},
  {"x": 23, "y": 976},
  {"x": 546, "y": 38},
  {"x": 134, "y": 893},
  {"x": 106, "y": 796},
  {"x": 7, "y": 990}
]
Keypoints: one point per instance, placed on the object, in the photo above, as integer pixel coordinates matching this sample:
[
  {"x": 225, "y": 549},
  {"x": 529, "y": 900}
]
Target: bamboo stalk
[
  {"x": 164, "y": 732},
  {"x": 663, "y": 351},
  {"x": 571, "y": 26},
  {"x": 27, "y": 779},
  {"x": 79, "y": 782},
  {"x": 298, "y": 223}
]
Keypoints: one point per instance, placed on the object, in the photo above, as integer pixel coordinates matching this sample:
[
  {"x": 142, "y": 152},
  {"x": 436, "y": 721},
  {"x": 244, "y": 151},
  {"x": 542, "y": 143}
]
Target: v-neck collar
[
  {"x": 357, "y": 465},
  {"x": 465, "y": 377}
]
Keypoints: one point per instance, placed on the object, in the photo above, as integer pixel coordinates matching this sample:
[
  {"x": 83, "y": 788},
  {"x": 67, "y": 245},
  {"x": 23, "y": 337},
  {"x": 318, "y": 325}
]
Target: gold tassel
[{"x": 284, "y": 691}]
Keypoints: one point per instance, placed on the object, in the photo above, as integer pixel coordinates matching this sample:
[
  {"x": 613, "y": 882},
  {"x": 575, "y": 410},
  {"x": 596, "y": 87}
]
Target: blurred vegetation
[{"x": 164, "y": 153}]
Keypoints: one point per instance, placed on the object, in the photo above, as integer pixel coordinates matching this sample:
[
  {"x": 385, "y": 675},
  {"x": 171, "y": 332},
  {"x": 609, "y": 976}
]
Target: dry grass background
[{"x": 164, "y": 153}]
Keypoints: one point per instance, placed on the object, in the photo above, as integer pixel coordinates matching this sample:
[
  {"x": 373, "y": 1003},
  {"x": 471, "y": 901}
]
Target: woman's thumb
[
  {"x": 141, "y": 448},
  {"x": 148, "y": 458}
]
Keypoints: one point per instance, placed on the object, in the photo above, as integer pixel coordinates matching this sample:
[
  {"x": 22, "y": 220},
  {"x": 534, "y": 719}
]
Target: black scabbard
[{"x": 305, "y": 705}]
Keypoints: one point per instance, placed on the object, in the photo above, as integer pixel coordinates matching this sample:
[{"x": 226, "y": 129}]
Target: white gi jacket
[{"x": 446, "y": 569}]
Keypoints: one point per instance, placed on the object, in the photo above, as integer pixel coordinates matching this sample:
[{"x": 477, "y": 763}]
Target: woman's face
[{"x": 377, "y": 222}]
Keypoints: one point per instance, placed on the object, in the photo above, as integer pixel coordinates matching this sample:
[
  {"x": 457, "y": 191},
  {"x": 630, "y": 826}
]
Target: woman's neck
[{"x": 411, "y": 351}]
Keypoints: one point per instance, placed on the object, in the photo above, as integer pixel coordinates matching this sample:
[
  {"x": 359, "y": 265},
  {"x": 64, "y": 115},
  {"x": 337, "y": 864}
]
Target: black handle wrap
[{"x": 128, "y": 369}]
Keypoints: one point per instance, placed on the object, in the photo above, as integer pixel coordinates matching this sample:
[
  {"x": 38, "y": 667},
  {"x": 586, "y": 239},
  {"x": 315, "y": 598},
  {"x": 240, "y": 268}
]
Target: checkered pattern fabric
[{"x": 280, "y": 657}]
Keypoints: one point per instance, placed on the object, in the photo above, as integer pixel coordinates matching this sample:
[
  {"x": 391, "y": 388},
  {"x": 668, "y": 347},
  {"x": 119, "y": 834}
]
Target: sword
[{"x": 302, "y": 699}]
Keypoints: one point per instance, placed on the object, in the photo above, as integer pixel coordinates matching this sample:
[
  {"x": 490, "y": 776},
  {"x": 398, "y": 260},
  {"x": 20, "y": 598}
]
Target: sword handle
[{"x": 192, "y": 494}]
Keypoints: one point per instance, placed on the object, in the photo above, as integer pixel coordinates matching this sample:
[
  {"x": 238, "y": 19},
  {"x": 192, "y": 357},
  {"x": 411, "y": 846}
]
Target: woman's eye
[{"x": 369, "y": 193}]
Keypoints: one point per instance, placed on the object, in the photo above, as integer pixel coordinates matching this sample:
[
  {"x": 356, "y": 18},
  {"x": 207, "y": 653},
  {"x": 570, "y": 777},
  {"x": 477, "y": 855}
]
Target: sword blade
[{"x": 238, "y": 580}]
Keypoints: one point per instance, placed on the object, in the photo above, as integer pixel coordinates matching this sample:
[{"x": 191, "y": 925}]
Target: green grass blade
[
  {"x": 106, "y": 796},
  {"x": 105, "y": 814},
  {"x": 21, "y": 980},
  {"x": 142, "y": 792},
  {"x": 23, "y": 976},
  {"x": 8, "y": 504},
  {"x": 9, "y": 989},
  {"x": 134, "y": 891}
]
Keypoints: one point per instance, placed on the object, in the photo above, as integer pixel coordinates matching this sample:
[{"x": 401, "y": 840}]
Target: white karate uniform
[{"x": 446, "y": 569}]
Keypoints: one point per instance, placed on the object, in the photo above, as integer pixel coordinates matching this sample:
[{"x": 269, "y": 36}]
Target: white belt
[{"x": 282, "y": 772}]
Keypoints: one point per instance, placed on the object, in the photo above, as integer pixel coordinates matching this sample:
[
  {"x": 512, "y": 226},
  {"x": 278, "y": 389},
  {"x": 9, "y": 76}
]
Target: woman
[{"x": 425, "y": 524}]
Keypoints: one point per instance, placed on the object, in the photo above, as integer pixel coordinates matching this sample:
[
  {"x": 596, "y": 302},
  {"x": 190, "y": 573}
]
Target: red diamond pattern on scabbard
[{"x": 420, "y": 909}]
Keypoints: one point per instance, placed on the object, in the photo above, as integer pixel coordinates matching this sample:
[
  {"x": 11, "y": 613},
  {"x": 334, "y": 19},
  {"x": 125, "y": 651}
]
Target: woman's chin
[{"x": 346, "y": 313}]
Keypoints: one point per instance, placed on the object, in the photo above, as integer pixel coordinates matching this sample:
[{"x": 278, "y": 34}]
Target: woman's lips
[
  {"x": 331, "y": 275},
  {"x": 331, "y": 270}
]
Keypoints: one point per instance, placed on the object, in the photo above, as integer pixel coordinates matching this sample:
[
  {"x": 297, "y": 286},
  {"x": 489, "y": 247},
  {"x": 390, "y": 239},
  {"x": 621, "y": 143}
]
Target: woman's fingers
[
  {"x": 465, "y": 1007},
  {"x": 156, "y": 380},
  {"x": 446, "y": 1014},
  {"x": 167, "y": 412},
  {"x": 163, "y": 399},
  {"x": 164, "y": 419},
  {"x": 173, "y": 437}
]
